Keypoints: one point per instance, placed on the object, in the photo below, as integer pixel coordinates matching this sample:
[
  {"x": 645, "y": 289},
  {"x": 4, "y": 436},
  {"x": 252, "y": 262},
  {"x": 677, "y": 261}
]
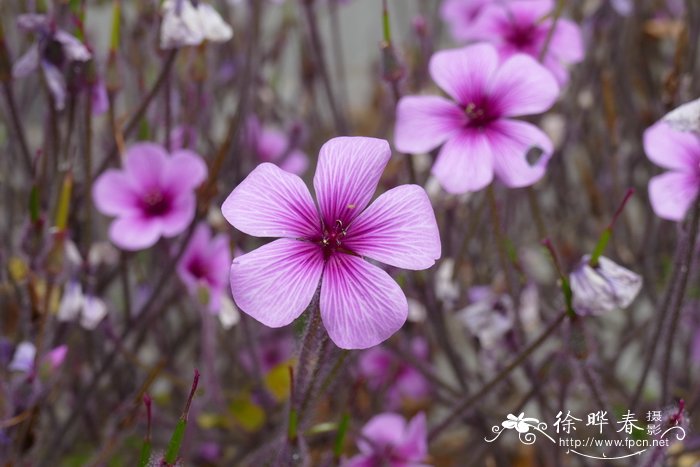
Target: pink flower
[
  {"x": 476, "y": 131},
  {"x": 382, "y": 369},
  {"x": 152, "y": 197},
  {"x": 360, "y": 304},
  {"x": 672, "y": 193},
  {"x": 461, "y": 16},
  {"x": 388, "y": 441},
  {"x": 271, "y": 145},
  {"x": 204, "y": 265},
  {"x": 522, "y": 26}
]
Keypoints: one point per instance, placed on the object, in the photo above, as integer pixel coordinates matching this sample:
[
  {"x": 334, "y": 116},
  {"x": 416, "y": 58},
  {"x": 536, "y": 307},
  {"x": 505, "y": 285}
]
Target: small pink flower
[
  {"x": 382, "y": 369},
  {"x": 360, "y": 304},
  {"x": 152, "y": 196},
  {"x": 461, "y": 16},
  {"x": 476, "y": 131},
  {"x": 522, "y": 26},
  {"x": 672, "y": 193},
  {"x": 387, "y": 440},
  {"x": 204, "y": 265},
  {"x": 271, "y": 145}
]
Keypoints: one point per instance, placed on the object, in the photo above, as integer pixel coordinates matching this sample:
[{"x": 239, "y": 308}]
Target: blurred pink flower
[
  {"x": 360, "y": 304},
  {"x": 461, "y": 15},
  {"x": 274, "y": 348},
  {"x": 204, "y": 265},
  {"x": 271, "y": 145},
  {"x": 387, "y": 440},
  {"x": 476, "y": 131},
  {"x": 152, "y": 196},
  {"x": 383, "y": 370},
  {"x": 53, "y": 51},
  {"x": 522, "y": 26},
  {"x": 672, "y": 193}
]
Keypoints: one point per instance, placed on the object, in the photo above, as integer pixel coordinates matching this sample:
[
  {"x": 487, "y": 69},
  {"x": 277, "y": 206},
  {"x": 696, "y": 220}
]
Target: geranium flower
[
  {"x": 522, "y": 26},
  {"x": 204, "y": 266},
  {"x": 360, "y": 304},
  {"x": 672, "y": 193},
  {"x": 476, "y": 131},
  {"x": 382, "y": 369},
  {"x": 461, "y": 16},
  {"x": 52, "y": 52},
  {"x": 387, "y": 440},
  {"x": 152, "y": 197},
  {"x": 187, "y": 24},
  {"x": 271, "y": 145},
  {"x": 603, "y": 288}
]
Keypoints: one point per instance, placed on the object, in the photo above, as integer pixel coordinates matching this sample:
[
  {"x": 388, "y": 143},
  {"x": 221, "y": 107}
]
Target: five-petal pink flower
[
  {"x": 204, "y": 265},
  {"x": 672, "y": 193},
  {"x": 478, "y": 136},
  {"x": 387, "y": 440},
  {"x": 523, "y": 26},
  {"x": 360, "y": 304},
  {"x": 152, "y": 196}
]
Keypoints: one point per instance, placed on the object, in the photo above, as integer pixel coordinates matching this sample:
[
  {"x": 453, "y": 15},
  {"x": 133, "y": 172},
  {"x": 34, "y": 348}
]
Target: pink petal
[
  {"x": 464, "y": 73},
  {"x": 145, "y": 162},
  {"x": 296, "y": 162},
  {"x": 361, "y": 305},
  {"x": 526, "y": 12},
  {"x": 671, "y": 194},
  {"x": 113, "y": 194},
  {"x": 398, "y": 228},
  {"x": 383, "y": 430},
  {"x": 185, "y": 170},
  {"x": 135, "y": 233},
  {"x": 348, "y": 171},
  {"x": 272, "y": 203},
  {"x": 567, "y": 43},
  {"x": 521, "y": 86},
  {"x": 461, "y": 16},
  {"x": 275, "y": 283},
  {"x": 511, "y": 140},
  {"x": 414, "y": 445},
  {"x": 465, "y": 163},
  {"x": 672, "y": 149},
  {"x": 180, "y": 215},
  {"x": 425, "y": 122},
  {"x": 196, "y": 248}
]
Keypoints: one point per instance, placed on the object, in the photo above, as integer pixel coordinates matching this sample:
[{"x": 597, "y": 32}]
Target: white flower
[
  {"x": 604, "y": 288},
  {"x": 23, "y": 359},
  {"x": 186, "y": 24},
  {"x": 94, "y": 311},
  {"x": 685, "y": 117},
  {"x": 229, "y": 315},
  {"x": 74, "y": 303}
]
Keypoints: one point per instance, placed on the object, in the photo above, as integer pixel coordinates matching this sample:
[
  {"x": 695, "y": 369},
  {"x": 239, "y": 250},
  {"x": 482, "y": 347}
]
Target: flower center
[
  {"x": 332, "y": 238},
  {"x": 522, "y": 37},
  {"x": 197, "y": 268},
  {"x": 478, "y": 114},
  {"x": 156, "y": 204}
]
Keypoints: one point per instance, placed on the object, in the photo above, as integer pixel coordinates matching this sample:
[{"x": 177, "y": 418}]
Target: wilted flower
[
  {"x": 152, "y": 197},
  {"x": 74, "y": 304},
  {"x": 204, "y": 266},
  {"x": 23, "y": 358},
  {"x": 382, "y": 369},
  {"x": 52, "y": 52},
  {"x": 477, "y": 134},
  {"x": 387, "y": 440},
  {"x": 489, "y": 317},
  {"x": 673, "y": 192},
  {"x": 603, "y": 288},
  {"x": 185, "y": 23},
  {"x": 271, "y": 145},
  {"x": 523, "y": 26},
  {"x": 360, "y": 304}
]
